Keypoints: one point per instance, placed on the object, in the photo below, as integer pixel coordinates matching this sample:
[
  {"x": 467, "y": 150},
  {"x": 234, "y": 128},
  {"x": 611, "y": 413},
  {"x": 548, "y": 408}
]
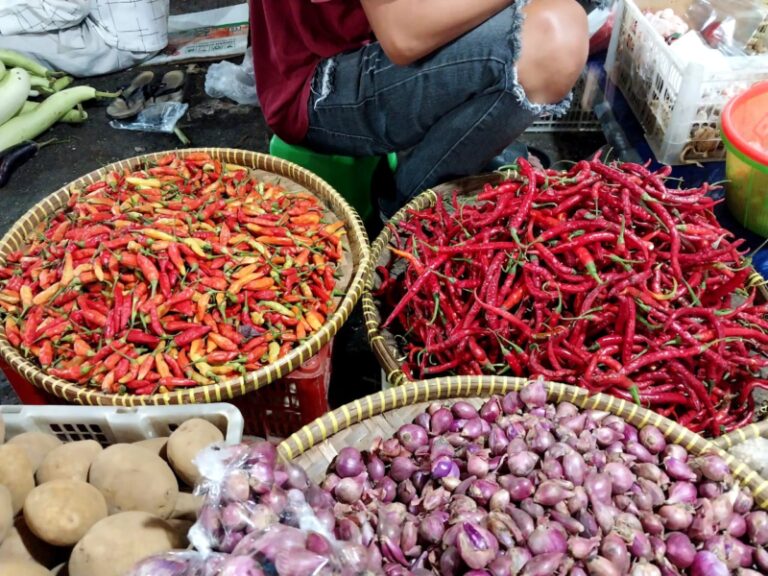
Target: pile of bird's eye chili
[{"x": 179, "y": 273}]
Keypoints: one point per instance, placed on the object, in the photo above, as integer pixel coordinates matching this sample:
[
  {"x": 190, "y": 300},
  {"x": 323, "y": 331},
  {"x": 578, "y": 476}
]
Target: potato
[
  {"x": 131, "y": 478},
  {"x": 16, "y": 473},
  {"x": 69, "y": 461},
  {"x": 156, "y": 445},
  {"x": 21, "y": 544},
  {"x": 60, "y": 512},
  {"x": 187, "y": 506},
  {"x": 22, "y": 568},
  {"x": 186, "y": 442},
  {"x": 113, "y": 545},
  {"x": 6, "y": 512},
  {"x": 36, "y": 444}
]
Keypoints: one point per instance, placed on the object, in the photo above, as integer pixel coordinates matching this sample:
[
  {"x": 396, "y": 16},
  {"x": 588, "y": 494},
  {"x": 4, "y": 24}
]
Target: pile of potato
[{"x": 78, "y": 509}]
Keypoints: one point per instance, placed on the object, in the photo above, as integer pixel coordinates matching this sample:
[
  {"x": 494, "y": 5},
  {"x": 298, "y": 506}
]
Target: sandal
[
  {"x": 132, "y": 97},
  {"x": 170, "y": 89}
]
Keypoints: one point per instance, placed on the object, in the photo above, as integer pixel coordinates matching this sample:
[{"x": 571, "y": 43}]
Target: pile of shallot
[{"x": 517, "y": 487}]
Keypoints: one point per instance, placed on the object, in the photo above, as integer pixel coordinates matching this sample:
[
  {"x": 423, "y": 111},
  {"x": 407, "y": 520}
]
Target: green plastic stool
[{"x": 350, "y": 176}]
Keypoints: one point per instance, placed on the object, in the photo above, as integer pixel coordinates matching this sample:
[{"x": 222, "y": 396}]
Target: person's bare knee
[{"x": 554, "y": 49}]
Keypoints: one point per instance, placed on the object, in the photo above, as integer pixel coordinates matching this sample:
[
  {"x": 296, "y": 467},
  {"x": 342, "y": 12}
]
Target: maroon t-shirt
[{"x": 289, "y": 38}]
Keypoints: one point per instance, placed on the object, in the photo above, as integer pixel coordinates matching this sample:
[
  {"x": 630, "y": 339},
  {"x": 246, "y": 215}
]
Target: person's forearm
[{"x": 411, "y": 29}]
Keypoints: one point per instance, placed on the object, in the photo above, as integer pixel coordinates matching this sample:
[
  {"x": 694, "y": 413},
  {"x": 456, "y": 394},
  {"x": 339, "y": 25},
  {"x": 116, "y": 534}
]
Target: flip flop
[
  {"x": 170, "y": 89},
  {"x": 132, "y": 97}
]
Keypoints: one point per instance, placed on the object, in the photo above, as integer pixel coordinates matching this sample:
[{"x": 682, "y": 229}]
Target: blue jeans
[{"x": 446, "y": 115}]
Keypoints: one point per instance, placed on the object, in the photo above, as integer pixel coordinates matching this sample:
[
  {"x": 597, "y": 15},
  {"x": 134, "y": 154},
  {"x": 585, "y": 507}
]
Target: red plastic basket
[
  {"x": 282, "y": 407},
  {"x": 28, "y": 393},
  {"x": 275, "y": 411}
]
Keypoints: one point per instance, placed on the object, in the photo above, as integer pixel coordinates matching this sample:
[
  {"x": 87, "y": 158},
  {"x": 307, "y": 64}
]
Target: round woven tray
[
  {"x": 290, "y": 174},
  {"x": 380, "y": 415}
]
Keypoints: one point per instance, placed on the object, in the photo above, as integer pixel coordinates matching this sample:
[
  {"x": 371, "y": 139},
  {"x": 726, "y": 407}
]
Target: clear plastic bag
[
  {"x": 263, "y": 517},
  {"x": 727, "y": 25},
  {"x": 187, "y": 563},
  {"x": 233, "y": 81},
  {"x": 155, "y": 118}
]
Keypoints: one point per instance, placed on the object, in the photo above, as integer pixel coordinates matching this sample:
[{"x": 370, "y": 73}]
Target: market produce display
[
  {"x": 176, "y": 274},
  {"x": 600, "y": 276},
  {"x": 22, "y": 118},
  {"x": 517, "y": 486},
  {"x": 79, "y": 509}
]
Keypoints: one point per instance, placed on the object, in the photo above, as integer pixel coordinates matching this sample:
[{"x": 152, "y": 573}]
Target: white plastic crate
[
  {"x": 109, "y": 425},
  {"x": 678, "y": 105},
  {"x": 579, "y": 118}
]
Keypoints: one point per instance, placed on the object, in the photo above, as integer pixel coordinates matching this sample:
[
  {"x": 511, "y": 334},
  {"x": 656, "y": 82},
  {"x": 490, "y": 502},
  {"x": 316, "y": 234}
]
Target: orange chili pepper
[
  {"x": 260, "y": 284},
  {"x": 306, "y": 219},
  {"x": 44, "y": 296},
  {"x": 81, "y": 347},
  {"x": 223, "y": 342},
  {"x": 183, "y": 359},
  {"x": 108, "y": 381},
  {"x": 202, "y": 306},
  {"x": 45, "y": 355},
  {"x": 245, "y": 271},
  {"x": 68, "y": 272},
  {"x": 162, "y": 366},
  {"x": 25, "y": 293},
  {"x": 111, "y": 361},
  {"x": 98, "y": 271},
  {"x": 331, "y": 228},
  {"x": 60, "y": 231},
  {"x": 87, "y": 278},
  {"x": 196, "y": 349},
  {"x": 237, "y": 285},
  {"x": 145, "y": 366},
  {"x": 275, "y": 241},
  {"x": 302, "y": 257},
  {"x": 314, "y": 319}
]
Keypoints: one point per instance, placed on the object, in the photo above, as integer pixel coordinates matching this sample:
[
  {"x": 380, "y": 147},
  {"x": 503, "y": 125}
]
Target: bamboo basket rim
[
  {"x": 749, "y": 432},
  {"x": 387, "y": 355},
  {"x": 317, "y": 433},
  {"x": 359, "y": 248}
]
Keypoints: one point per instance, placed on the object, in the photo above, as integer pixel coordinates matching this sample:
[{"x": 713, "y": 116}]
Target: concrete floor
[{"x": 208, "y": 122}]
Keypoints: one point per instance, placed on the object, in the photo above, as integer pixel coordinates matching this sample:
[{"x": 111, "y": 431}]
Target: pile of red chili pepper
[
  {"x": 599, "y": 276},
  {"x": 177, "y": 274}
]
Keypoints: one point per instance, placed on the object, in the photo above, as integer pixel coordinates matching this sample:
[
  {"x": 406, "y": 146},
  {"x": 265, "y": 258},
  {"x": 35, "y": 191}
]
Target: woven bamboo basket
[
  {"x": 270, "y": 166},
  {"x": 380, "y": 415},
  {"x": 383, "y": 342}
]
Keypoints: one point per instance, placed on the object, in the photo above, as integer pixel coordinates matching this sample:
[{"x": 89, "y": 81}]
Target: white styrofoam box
[
  {"x": 677, "y": 99},
  {"x": 111, "y": 424}
]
